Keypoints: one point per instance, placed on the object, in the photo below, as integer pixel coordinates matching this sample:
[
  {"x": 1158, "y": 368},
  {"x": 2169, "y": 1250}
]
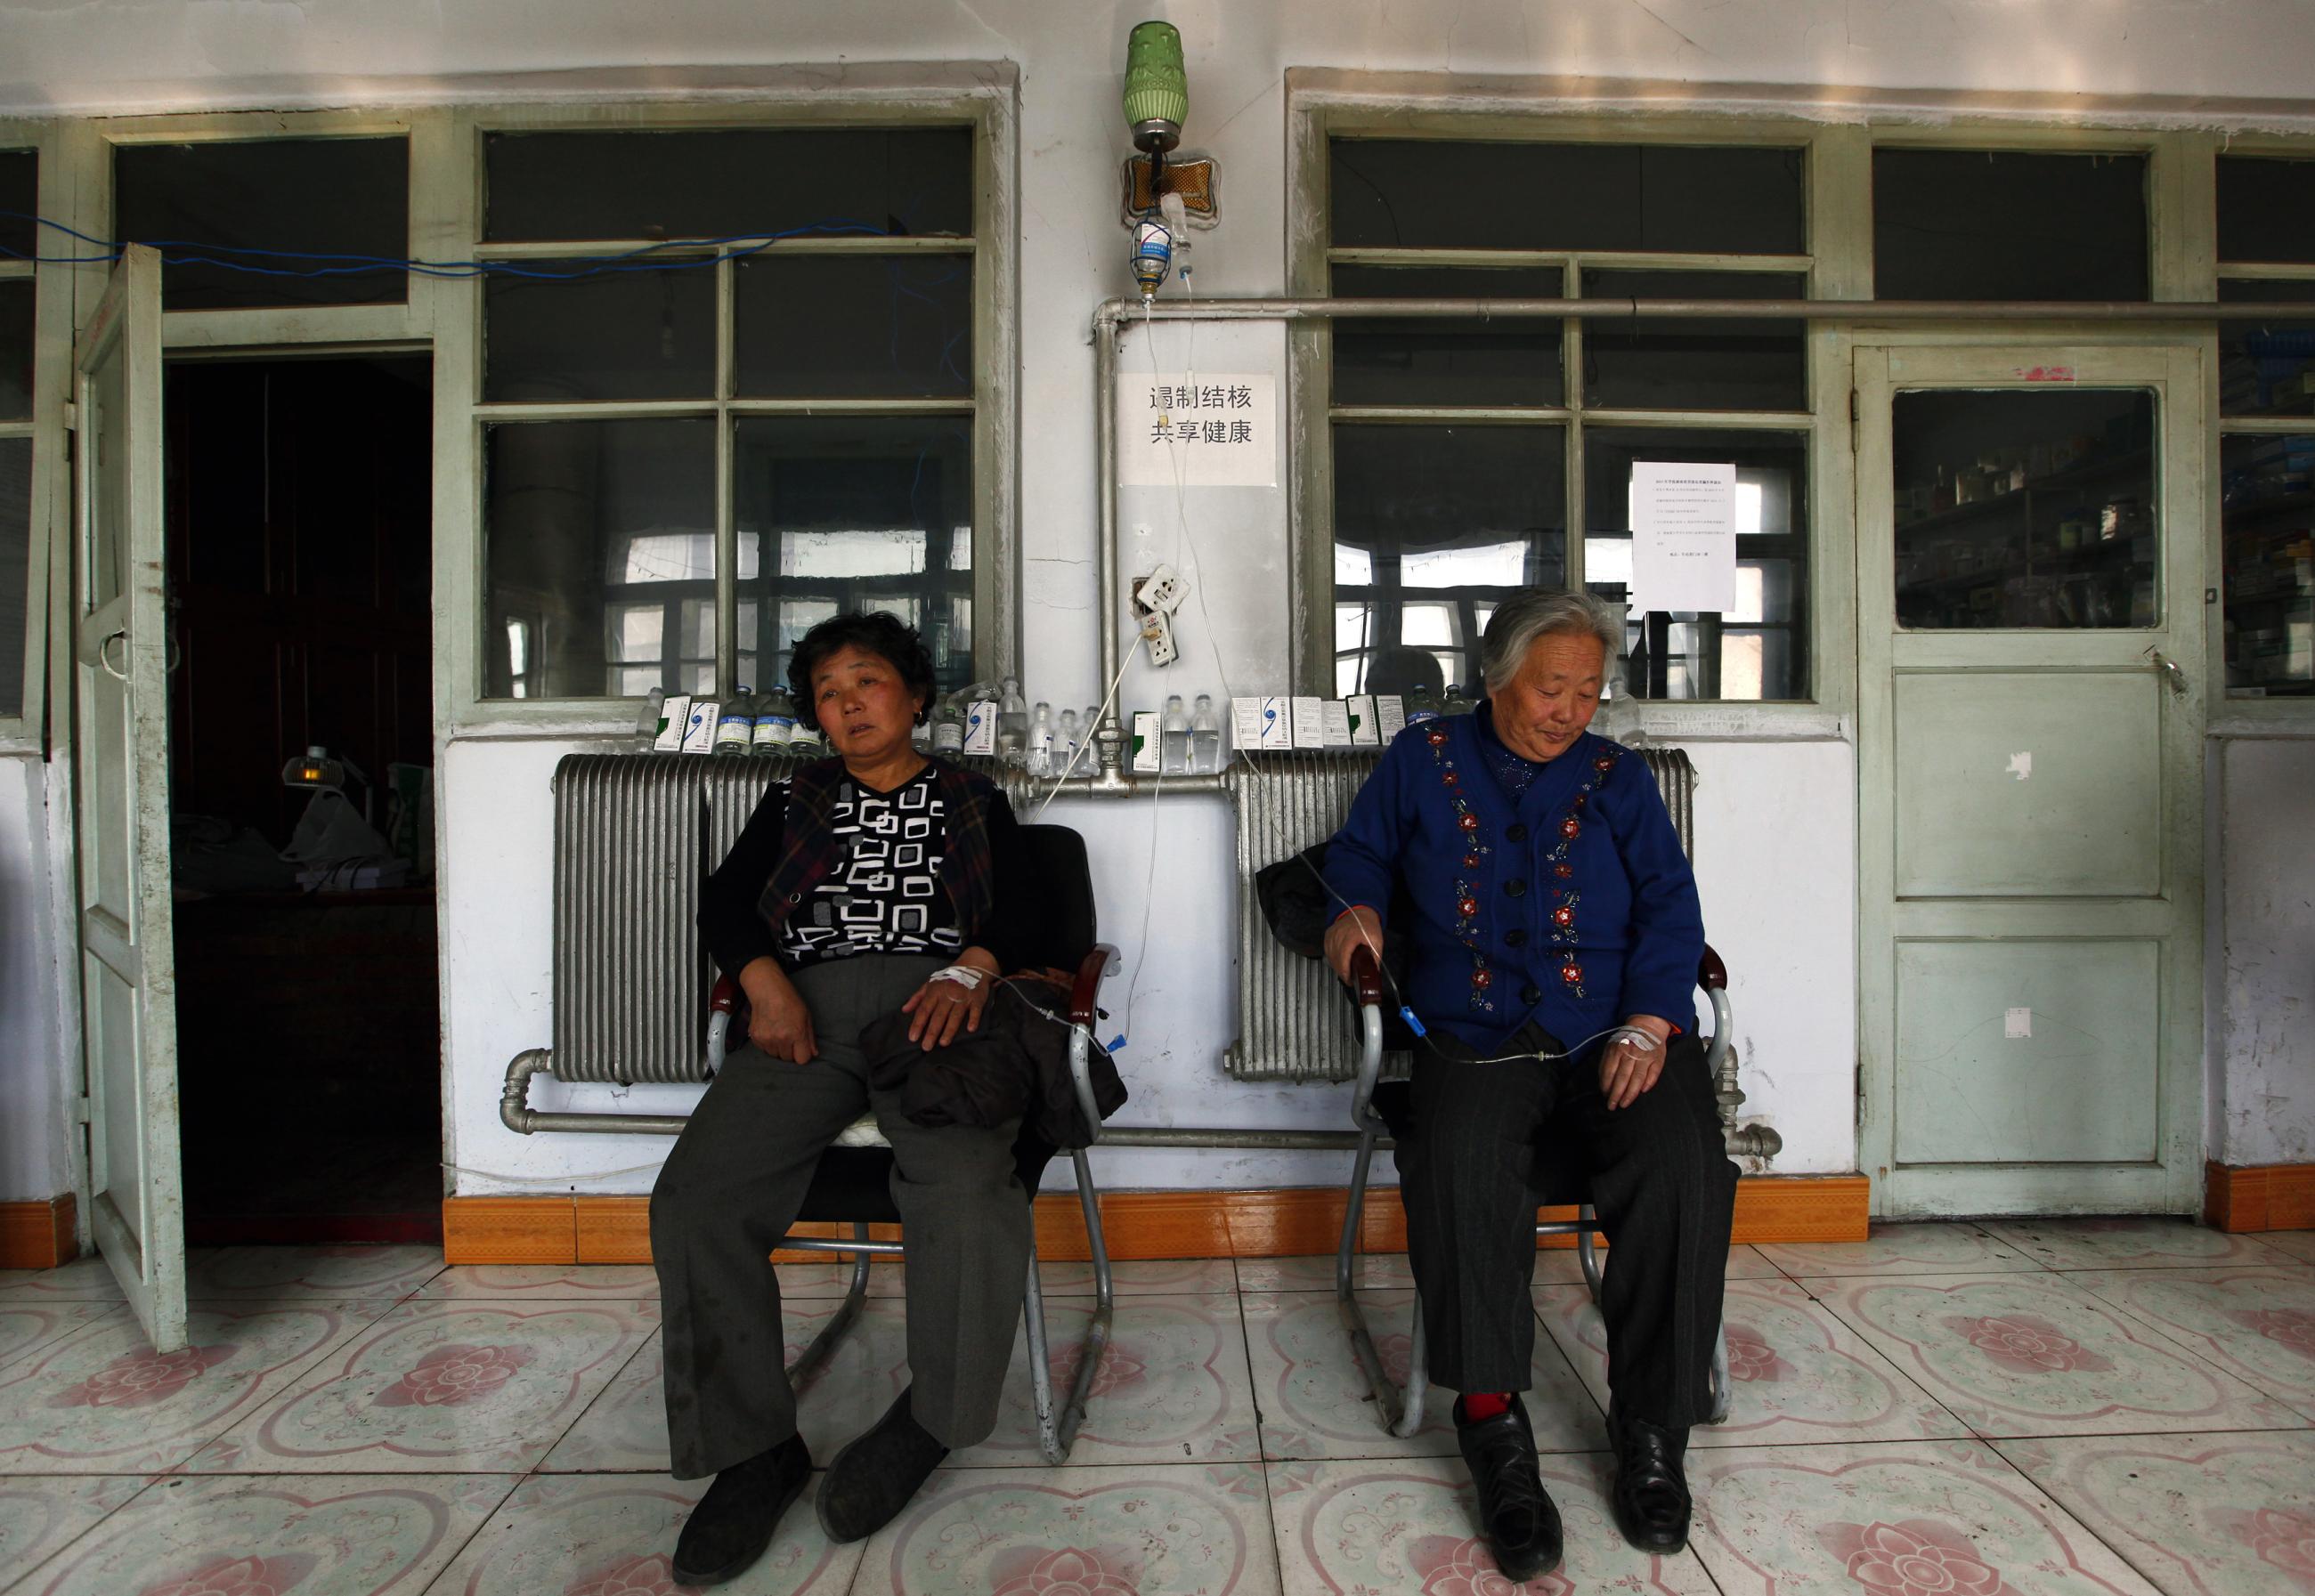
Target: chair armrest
[
  {"x": 1366, "y": 982},
  {"x": 725, "y": 998},
  {"x": 1711, "y": 974},
  {"x": 1366, "y": 977},
  {"x": 1085, "y": 990},
  {"x": 721, "y": 1004}
]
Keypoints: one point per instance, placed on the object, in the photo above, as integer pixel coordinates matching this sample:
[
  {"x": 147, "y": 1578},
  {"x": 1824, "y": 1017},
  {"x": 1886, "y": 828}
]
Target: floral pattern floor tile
[
  {"x": 1314, "y": 1271},
  {"x": 274, "y": 1535},
  {"x": 833, "y": 1278},
  {"x": 575, "y": 1282},
  {"x": 39, "y": 1517},
  {"x": 88, "y": 1278},
  {"x": 441, "y": 1384},
  {"x": 1188, "y": 1529},
  {"x": 2256, "y": 1323},
  {"x": 282, "y": 1273},
  {"x": 1316, "y": 1404},
  {"x": 1795, "y": 1373},
  {"x": 2127, "y": 1244},
  {"x": 26, "y": 1327},
  {"x": 1172, "y": 1386},
  {"x": 1915, "y": 1518},
  {"x": 2034, "y": 1354},
  {"x": 1903, "y": 1249},
  {"x": 102, "y": 1401},
  {"x": 2199, "y": 1515},
  {"x": 614, "y": 1535},
  {"x": 2299, "y": 1244},
  {"x": 1411, "y": 1524},
  {"x": 1142, "y": 1277}
]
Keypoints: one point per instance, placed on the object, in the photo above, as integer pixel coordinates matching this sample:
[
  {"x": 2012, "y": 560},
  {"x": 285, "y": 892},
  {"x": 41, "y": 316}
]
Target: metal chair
[
  {"x": 853, "y": 1181},
  {"x": 1380, "y": 1108}
]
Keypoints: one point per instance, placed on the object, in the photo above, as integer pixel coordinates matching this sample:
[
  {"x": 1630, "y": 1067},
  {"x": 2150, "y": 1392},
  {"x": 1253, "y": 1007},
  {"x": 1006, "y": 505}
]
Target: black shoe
[
  {"x": 1515, "y": 1511},
  {"x": 872, "y": 1478},
  {"x": 1651, "y": 1493},
  {"x": 733, "y": 1523}
]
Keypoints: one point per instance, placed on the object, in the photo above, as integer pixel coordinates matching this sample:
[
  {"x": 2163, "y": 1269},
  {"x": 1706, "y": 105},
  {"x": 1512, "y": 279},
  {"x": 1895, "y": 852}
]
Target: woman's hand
[
  {"x": 942, "y": 1007},
  {"x": 1356, "y": 928},
  {"x": 1626, "y": 1070},
  {"x": 778, "y": 1022}
]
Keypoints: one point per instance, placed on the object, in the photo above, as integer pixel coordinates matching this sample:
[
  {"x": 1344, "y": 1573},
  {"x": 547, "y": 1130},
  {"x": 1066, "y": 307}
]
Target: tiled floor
[{"x": 1945, "y": 1410}]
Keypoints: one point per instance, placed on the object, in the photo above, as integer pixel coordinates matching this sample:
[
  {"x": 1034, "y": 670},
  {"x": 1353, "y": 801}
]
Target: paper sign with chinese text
[
  {"x": 1201, "y": 430},
  {"x": 1684, "y": 537}
]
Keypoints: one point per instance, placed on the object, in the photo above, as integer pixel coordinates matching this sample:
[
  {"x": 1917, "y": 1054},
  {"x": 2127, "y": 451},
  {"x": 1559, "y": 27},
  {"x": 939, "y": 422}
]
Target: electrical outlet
[
  {"x": 1157, "y": 639},
  {"x": 1163, "y": 590}
]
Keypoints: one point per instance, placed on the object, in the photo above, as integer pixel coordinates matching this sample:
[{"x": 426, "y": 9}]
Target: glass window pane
[
  {"x": 1759, "y": 650},
  {"x": 2025, "y": 509},
  {"x": 1476, "y": 513},
  {"x": 1694, "y": 365},
  {"x": 586, "y": 524},
  {"x": 2266, "y": 210},
  {"x": 1439, "y": 362},
  {"x": 16, "y": 553},
  {"x": 344, "y": 201},
  {"x": 1436, "y": 194},
  {"x": 2002, "y": 224},
  {"x": 20, "y": 194},
  {"x": 2268, "y": 523},
  {"x": 731, "y": 184},
  {"x": 625, "y": 335},
  {"x": 856, "y": 512},
  {"x": 2267, "y": 367},
  {"x": 15, "y": 350},
  {"x": 853, "y": 326}
]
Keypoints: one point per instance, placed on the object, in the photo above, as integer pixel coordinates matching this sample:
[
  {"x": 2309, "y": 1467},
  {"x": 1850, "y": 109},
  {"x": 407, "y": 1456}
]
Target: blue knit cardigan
[{"x": 1573, "y": 906}]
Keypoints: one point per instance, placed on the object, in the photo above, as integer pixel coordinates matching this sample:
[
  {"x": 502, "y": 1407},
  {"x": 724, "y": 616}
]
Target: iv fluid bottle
[
  {"x": 1066, "y": 737},
  {"x": 1174, "y": 751},
  {"x": 1041, "y": 741},
  {"x": 1422, "y": 704},
  {"x": 735, "y": 731},
  {"x": 651, "y": 719},
  {"x": 1012, "y": 724},
  {"x": 775, "y": 722},
  {"x": 948, "y": 727},
  {"x": 1205, "y": 738}
]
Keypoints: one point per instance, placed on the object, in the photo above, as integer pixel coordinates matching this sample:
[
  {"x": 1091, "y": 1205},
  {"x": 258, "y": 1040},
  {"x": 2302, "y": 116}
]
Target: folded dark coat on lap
[{"x": 1016, "y": 1066}]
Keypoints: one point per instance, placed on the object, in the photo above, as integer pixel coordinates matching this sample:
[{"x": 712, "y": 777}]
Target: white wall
[
  {"x": 34, "y": 1066},
  {"x": 2265, "y": 981},
  {"x": 1777, "y": 824}
]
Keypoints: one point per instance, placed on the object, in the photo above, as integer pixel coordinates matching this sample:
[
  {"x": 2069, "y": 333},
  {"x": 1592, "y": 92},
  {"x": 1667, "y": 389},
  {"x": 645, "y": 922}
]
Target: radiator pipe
[{"x": 517, "y": 1115}]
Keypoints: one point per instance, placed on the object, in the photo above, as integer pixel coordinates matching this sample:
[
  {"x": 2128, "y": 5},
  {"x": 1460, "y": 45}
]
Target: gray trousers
[{"x": 733, "y": 1184}]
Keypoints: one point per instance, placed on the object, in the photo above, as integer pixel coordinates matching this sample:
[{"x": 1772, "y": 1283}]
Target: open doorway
[{"x": 298, "y": 508}]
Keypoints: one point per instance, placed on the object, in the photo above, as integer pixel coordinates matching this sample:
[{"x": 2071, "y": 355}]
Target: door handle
[
  {"x": 119, "y": 634},
  {"x": 2174, "y": 678}
]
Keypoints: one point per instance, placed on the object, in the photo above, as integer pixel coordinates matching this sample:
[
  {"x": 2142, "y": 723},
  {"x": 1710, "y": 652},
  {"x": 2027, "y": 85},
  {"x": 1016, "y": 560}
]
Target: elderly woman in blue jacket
[{"x": 1552, "y": 934}]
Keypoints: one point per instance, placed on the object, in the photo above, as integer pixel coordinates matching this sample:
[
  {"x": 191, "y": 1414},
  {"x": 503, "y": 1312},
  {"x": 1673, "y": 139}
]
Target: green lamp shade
[{"x": 1156, "y": 85}]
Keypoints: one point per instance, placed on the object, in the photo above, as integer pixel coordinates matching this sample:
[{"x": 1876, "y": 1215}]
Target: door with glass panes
[{"x": 2030, "y": 708}]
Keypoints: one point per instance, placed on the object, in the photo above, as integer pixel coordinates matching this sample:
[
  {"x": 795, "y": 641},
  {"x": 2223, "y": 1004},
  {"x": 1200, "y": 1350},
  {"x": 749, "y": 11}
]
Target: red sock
[{"x": 1484, "y": 1404}]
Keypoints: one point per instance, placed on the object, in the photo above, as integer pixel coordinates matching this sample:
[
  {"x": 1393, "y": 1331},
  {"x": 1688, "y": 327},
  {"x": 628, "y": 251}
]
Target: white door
[
  {"x": 120, "y": 729},
  {"x": 2030, "y": 621}
]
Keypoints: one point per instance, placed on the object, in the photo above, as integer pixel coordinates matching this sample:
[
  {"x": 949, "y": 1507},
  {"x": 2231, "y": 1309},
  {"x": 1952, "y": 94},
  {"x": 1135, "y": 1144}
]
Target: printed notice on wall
[
  {"x": 1215, "y": 431},
  {"x": 1684, "y": 537}
]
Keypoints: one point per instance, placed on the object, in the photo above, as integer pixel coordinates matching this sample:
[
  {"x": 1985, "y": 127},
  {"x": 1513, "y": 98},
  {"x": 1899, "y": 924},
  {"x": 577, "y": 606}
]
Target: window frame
[
  {"x": 980, "y": 100},
  {"x": 28, "y": 725}
]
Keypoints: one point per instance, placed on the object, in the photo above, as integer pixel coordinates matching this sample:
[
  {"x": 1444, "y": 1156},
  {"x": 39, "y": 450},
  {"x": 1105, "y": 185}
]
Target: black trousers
[{"x": 1480, "y": 1147}]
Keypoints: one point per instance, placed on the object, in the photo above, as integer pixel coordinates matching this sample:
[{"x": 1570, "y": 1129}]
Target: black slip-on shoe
[
  {"x": 1651, "y": 1496},
  {"x": 733, "y": 1523},
  {"x": 872, "y": 1478},
  {"x": 1515, "y": 1511}
]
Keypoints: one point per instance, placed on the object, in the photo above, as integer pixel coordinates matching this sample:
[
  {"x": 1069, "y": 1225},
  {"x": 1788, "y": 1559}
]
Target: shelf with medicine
[
  {"x": 2268, "y": 520},
  {"x": 2073, "y": 546}
]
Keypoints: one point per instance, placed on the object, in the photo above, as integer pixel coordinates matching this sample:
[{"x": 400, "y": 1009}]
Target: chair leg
[
  {"x": 1418, "y": 1379},
  {"x": 1057, "y": 1432},
  {"x": 848, "y": 1310},
  {"x": 1390, "y": 1406},
  {"x": 1722, "y": 1394},
  {"x": 1586, "y": 1253}
]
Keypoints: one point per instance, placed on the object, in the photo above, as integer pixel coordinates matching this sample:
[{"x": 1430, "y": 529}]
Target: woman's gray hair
[{"x": 1514, "y": 629}]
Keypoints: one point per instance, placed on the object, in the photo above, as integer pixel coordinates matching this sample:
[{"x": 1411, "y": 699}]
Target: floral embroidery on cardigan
[
  {"x": 1466, "y": 898},
  {"x": 1566, "y": 898}
]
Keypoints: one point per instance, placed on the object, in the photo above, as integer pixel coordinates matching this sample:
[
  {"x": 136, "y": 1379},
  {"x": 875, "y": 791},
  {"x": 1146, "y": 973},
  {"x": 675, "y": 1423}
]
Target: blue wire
[{"x": 626, "y": 261}]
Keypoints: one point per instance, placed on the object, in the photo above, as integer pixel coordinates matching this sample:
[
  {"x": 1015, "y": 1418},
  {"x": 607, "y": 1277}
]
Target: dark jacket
[
  {"x": 787, "y": 850},
  {"x": 1016, "y": 1066}
]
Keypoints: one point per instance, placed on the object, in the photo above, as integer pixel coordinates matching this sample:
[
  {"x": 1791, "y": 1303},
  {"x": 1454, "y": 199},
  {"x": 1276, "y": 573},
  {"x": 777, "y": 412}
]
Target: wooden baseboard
[
  {"x": 2239, "y": 1197},
  {"x": 38, "y": 1233},
  {"x": 1263, "y": 1223}
]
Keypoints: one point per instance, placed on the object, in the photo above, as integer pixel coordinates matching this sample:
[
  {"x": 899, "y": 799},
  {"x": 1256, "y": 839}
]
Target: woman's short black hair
[{"x": 888, "y": 637}]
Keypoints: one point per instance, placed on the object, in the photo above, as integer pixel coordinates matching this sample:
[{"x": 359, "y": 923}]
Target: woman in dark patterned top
[{"x": 869, "y": 882}]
